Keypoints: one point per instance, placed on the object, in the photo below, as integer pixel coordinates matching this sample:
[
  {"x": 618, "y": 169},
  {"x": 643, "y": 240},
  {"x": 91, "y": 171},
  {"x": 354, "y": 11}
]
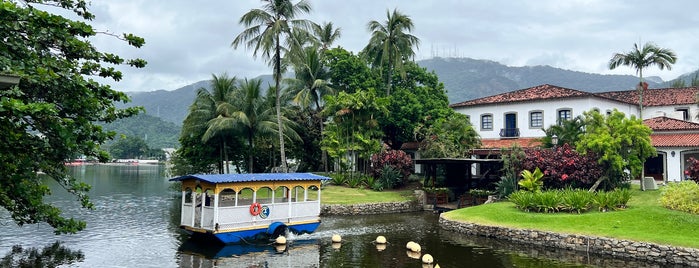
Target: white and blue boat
[{"x": 232, "y": 208}]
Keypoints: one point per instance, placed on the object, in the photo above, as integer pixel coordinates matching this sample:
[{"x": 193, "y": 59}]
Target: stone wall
[
  {"x": 372, "y": 208},
  {"x": 597, "y": 245}
]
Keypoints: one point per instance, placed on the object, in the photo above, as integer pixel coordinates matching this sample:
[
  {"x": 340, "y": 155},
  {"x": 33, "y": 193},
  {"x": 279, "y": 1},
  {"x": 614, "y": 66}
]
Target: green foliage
[
  {"x": 354, "y": 125},
  {"x": 390, "y": 45},
  {"x": 53, "y": 255},
  {"x": 480, "y": 192},
  {"x": 390, "y": 178},
  {"x": 576, "y": 200},
  {"x": 129, "y": 148},
  {"x": 531, "y": 181},
  {"x": 156, "y": 133},
  {"x": 338, "y": 179},
  {"x": 397, "y": 160},
  {"x": 569, "y": 200},
  {"x": 683, "y": 196},
  {"x": 506, "y": 186},
  {"x": 52, "y": 113},
  {"x": 349, "y": 72},
  {"x": 418, "y": 100},
  {"x": 620, "y": 143},
  {"x": 451, "y": 136},
  {"x": 524, "y": 200},
  {"x": 567, "y": 132}
]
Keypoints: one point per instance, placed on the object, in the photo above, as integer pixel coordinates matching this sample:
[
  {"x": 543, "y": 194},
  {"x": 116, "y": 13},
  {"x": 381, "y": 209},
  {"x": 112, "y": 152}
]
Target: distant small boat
[{"x": 233, "y": 208}]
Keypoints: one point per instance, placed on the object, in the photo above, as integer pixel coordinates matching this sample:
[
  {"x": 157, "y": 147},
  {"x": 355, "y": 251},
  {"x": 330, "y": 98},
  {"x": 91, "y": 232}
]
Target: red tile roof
[
  {"x": 542, "y": 92},
  {"x": 656, "y": 97},
  {"x": 675, "y": 140},
  {"x": 663, "y": 123},
  {"x": 507, "y": 143}
]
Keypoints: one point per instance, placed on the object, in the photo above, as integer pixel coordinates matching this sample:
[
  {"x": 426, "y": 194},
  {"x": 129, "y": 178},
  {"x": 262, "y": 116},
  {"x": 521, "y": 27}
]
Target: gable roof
[
  {"x": 663, "y": 123},
  {"x": 251, "y": 177},
  {"x": 675, "y": 140},
  {"x": 542, "y": 92},
  {"x": 656, "y": 97}
]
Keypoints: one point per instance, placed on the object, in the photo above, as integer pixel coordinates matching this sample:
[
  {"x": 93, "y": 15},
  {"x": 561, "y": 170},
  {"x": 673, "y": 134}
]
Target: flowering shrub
[
  {"x": 692, "y": 169},
  {"x": 397, "y": 159},
  {"x": 563, "y": 167}
]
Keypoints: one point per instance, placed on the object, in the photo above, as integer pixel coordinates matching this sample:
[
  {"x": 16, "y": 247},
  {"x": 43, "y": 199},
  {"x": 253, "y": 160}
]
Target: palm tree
[
  {"x": 311, "y": 84},
  {"x": 326, "y": 35},
  {"x": 390, "y": 44},
  {"x": 246, "y": 113},
  {"x": 266, "y": 29},
  {"x": 643, "y": 57},
  {"x": 204, "y": 109}
]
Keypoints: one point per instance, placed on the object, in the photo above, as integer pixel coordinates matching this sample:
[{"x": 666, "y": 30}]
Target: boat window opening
[
  {"x": 299, "y": 193},
  {"x": 226, "y": 198},
  {"x": 188, "y": 196},
  {"x": 245, "y": 197},
  {"x": 281, "y": 194},
  {"x": 312, "y": 193},
  {"x": 264, "y": 195},
  {"x": 209, "y": 198}
]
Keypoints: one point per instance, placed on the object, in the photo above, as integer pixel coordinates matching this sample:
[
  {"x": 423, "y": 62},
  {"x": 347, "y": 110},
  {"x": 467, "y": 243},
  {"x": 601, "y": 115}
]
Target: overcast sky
[{"x": 187, "y": 41}]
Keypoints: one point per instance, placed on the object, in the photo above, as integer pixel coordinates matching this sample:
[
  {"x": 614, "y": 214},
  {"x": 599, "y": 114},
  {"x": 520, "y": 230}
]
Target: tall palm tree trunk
[
  {"x": 250, "y": 154},
  {"x": 280, "y": 127},
  {"x": 225, "y": 156}
]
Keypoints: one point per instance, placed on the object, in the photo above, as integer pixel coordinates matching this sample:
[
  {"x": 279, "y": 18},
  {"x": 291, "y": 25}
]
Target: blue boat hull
[{"x": 234, "y": 237}]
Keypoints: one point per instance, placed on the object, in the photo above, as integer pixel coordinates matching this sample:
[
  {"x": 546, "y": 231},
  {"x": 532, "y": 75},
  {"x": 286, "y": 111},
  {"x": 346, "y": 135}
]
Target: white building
[{"x": 520, "y": 117}]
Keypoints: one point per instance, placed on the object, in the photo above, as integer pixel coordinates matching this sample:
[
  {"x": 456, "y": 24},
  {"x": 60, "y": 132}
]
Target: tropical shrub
[
  {"x": 569, "y": 200},
  {"x": 524, "y": 200},
  {"x": 531, "y": 181},
  {"x": 389, "y": 179},
  {"x": 548, "y": 201},
  {"x": 397, "y": 159},
  {"x": 506, "y": 186},
  {"x": 576, "y": 200},
  {"x": 683, "y": 196},
  {"x": 564, "y": 167},
  {"x": 692, "y": 169},
  {"x": 338, "y": 178}
]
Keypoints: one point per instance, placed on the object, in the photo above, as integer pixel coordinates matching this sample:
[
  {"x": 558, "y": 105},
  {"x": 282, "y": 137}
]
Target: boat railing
[{"x": 237, "y": 217}]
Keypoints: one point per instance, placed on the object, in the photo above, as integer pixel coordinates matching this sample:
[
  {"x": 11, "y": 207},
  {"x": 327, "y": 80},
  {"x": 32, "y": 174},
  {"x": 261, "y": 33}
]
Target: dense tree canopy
[
  {"x": 51, "y": 113},
  {"x": 621, "y": 143}
]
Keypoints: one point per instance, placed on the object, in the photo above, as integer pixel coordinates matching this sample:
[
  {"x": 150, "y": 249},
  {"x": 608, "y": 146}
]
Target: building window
[
  {"x": 536, "y": 119},
  {"x": 564, "y": 114},
  {"x": 684, "y": 112},
  {"x": 487, "y": 122}
]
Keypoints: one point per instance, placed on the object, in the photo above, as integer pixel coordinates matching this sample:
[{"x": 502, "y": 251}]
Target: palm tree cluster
[{"x": 236, "y": 121}]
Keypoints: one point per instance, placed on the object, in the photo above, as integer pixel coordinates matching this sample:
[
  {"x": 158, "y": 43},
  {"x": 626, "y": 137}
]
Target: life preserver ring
[{"x": 255, "y": 209}]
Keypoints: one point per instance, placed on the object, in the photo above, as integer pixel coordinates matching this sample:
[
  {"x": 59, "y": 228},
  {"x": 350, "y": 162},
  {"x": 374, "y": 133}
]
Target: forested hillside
[{"x": 156, "y": 132}]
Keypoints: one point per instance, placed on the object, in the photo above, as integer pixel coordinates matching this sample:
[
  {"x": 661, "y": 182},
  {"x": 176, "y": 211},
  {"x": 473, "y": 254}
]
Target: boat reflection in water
[{"x": 297, "y": 253}]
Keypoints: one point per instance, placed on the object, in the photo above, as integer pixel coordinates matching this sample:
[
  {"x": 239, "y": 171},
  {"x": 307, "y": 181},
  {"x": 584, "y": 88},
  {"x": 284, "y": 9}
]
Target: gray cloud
[{"x": 187, "y": 41}]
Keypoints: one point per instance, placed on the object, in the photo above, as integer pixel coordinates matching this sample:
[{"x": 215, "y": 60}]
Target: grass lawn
[
  {"x": 339, "y": 195},
  {"x": 644, "y": 220}
]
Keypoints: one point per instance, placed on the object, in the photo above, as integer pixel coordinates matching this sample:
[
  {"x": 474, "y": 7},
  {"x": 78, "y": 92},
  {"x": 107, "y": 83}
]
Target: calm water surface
[{"x": 135, "y": 225}]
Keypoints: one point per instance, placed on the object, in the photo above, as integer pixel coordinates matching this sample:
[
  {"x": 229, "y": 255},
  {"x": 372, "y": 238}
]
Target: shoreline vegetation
[{"x": 644, "y": 220}]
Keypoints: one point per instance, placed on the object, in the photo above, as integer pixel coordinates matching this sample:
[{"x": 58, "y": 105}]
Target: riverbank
[
  {"x": 644, "y": 231},
  {"x": 338, "y": 200}
]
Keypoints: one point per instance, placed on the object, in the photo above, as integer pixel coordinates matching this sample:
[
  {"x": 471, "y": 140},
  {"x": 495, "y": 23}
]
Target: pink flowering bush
[
  {"x": 563, "y": 167},
  {"x": 692, "y": 170},
  {"x": 396, "y": 159}
]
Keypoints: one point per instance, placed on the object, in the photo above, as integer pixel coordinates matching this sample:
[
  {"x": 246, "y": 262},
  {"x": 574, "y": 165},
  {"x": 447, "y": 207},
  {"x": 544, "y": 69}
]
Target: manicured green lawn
[
  {"x": 338, "y": 195},
  {"x": 644, "y": 220}
]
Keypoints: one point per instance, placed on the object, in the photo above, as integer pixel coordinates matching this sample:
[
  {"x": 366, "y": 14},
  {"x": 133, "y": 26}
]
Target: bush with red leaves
[
  {"x": 397, "y": 159},
  {"x": 563, "y": 167}
]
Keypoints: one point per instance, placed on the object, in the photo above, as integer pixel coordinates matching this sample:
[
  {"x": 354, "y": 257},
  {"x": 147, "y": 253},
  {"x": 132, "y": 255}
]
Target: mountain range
[{"x": 463, "y": 78}]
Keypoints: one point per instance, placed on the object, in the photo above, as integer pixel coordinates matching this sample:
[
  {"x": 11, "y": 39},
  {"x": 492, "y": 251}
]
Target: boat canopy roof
[{"x": 228, "y": 178}]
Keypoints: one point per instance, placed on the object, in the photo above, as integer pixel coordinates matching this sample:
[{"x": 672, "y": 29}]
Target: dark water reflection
[{"x": 135, "y": 225}]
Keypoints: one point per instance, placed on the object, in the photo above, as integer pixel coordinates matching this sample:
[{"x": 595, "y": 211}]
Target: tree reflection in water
[{"x": 53, "y": 255}]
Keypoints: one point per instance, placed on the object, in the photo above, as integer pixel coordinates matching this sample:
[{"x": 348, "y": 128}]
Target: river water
[{"x": 135, "y": 225}]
